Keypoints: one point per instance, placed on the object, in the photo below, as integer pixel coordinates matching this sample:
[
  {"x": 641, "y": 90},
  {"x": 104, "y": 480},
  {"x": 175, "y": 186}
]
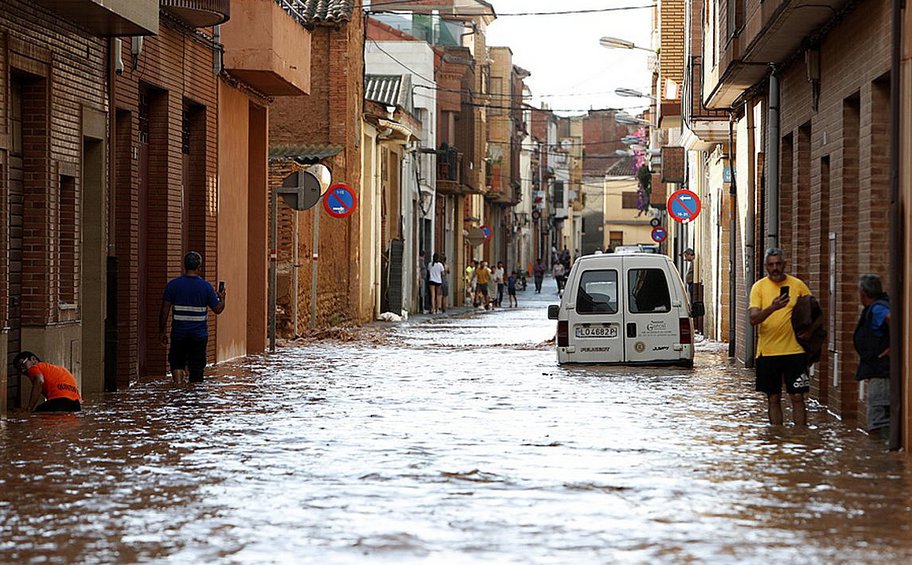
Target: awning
[{"x": 303, "y": 154}]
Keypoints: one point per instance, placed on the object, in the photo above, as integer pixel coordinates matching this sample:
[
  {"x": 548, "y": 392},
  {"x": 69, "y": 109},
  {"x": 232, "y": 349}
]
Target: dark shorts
[
  {"x": 59, "y": 405},
  {"x": 511, "y": 291},
  {"x": 189, "y": 353},
  {"x": 482, "y": 288},
  {"x": 773, "y": 370},
  {"x": 432, "y": 283}
]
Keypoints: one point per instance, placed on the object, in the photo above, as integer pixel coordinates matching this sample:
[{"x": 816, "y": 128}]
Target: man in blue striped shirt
[{"x": 188, "y": 298}]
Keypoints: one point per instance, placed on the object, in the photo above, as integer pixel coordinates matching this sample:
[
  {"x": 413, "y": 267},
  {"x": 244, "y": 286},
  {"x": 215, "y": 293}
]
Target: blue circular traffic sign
[
  {"x": 683, "y": 206},
  {"x": 340, "y": 201},
  {"x": 659, "y": 234}
]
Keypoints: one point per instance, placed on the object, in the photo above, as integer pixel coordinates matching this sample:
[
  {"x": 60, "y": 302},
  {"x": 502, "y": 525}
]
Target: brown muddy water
[{"x": 451, "y": 440}]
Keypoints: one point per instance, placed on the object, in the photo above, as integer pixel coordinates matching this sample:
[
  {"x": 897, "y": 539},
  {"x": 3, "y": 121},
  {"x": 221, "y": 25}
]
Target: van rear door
[
  {"x": 597, "y": 320},
  {"x": 651, "y": 321}
]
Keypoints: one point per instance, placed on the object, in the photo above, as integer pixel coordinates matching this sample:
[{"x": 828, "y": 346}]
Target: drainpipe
[
  {"x": 772, "y": 180},
  {"x": 732, "y": 248},
  {"x": 750, "y": 240},
  {"x": 897, "y": 337}
]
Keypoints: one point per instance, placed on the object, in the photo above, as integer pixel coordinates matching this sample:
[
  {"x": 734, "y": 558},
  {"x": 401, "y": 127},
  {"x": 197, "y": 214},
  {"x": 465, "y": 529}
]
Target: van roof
[{"x": 615, "y": 257}]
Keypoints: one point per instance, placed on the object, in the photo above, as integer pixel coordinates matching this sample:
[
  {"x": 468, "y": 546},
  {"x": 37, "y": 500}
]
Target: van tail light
[
  {"x": 686, "y": 331},
  {"x": 563, "y": 333}
]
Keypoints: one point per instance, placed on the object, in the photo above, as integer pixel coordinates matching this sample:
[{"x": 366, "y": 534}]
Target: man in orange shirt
[{"x": 53, "y": 382}]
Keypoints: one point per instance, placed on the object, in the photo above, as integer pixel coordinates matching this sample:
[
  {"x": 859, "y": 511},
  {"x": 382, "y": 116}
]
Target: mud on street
[{"x": 447, "y": 439}]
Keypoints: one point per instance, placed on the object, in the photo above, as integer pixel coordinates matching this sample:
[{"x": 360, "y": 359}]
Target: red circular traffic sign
[
  {"x": 340, "y": 201},
  {"x": 683, "y": 206},
  {"x": 659, "y": 234}
]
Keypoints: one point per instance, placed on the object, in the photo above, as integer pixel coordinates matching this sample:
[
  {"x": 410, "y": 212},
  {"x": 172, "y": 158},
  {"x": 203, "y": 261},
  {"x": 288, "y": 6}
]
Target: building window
[
  {"x": 67, "y": 238},
  {"x": 629, "y": 200}
]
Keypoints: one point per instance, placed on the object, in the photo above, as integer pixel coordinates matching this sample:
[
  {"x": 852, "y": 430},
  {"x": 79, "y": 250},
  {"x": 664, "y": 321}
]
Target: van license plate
[{"x": 596, "y": 331}]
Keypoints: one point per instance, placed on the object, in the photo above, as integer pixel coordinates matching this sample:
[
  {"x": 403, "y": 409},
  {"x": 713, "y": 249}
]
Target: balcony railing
[
  {"x": 449, "y": 171},
  {"x": 692, "y": 100}
]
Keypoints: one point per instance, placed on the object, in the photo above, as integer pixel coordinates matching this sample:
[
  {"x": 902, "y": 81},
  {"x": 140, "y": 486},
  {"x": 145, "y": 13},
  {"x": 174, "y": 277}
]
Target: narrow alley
[{"x": 447, "y": 439}]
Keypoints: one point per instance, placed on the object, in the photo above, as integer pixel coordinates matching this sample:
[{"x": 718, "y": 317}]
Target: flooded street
[{"x": 448, "y": 439}]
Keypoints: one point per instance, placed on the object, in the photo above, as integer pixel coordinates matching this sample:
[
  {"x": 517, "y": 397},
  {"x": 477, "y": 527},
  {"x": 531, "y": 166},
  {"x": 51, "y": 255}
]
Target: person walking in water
[
  {"x": 511, "y": 289},
  {"x": 435, "y": 281},
  {"x": 780, "y": 358},
  {"x": 188, "y": 298},
  {"x": 539, "y": 273},
  {"x": 872, "y": 342}
]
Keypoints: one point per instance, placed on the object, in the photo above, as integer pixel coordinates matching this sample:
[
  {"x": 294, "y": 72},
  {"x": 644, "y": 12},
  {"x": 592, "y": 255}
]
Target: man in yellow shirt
[{"x": 779, "y": 356}]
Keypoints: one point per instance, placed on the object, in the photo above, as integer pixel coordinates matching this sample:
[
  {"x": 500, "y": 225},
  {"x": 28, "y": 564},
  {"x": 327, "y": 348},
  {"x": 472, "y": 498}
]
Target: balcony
[
  {"x": 199, "y": 13},
  {"x": 774, "y": 29},
  {"x": 709, "y": 126},
  {"x": 450, "y": 171},
  {"x": 108, "y": 18},
  {"x": 267, "y": 49}
]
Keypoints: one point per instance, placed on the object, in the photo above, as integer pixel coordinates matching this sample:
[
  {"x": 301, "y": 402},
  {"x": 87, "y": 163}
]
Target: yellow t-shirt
[{"x": 775, "y": 334}]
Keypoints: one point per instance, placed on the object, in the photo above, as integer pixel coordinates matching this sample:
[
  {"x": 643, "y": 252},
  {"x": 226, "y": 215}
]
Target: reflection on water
[{"x": 458, "y": 439}]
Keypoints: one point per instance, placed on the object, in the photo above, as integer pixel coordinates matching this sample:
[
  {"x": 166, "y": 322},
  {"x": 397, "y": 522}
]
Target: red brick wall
[
  {"x": 175, "y": 70},
  {"x": 601, "y": 137},
  {"x": 331, "y": 114},
  {"x": 848, "y": 137},
  {"x": 62, "y": 71}
]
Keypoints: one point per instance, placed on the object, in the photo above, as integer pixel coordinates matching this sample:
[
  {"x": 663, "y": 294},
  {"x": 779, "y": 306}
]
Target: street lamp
[
  {"x": 628, "y": 120},
  {"x": 631, "y": 93},
  {"x": 615, "y": 43}
]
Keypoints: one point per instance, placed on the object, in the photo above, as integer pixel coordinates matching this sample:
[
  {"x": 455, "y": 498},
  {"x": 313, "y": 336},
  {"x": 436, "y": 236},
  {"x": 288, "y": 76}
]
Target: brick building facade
[
  {"x": 324, "y": 126},
  {"x": 54, "y": 78}
]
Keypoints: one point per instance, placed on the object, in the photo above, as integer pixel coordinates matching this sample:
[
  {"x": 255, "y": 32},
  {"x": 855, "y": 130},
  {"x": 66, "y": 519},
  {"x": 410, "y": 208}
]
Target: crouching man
[{"x": 52, "y": 382}]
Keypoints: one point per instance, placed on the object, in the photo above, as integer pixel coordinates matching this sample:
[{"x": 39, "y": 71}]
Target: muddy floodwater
[{"x": 454, "y": 439}]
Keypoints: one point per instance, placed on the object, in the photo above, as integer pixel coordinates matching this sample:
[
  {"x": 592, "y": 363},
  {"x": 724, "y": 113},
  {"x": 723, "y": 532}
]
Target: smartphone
[
  {"x": 783, "y": 291},
  {"x": 221, "y": 287}
]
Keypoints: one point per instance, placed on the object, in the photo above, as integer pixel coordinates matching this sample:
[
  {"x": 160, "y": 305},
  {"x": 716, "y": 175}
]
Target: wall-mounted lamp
[
  {"x": 136, "y": 45},
  {"x": 812, "y": 63}
]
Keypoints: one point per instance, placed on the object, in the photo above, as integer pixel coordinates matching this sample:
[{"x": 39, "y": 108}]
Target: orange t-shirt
[{"x": 58, "y": 382}]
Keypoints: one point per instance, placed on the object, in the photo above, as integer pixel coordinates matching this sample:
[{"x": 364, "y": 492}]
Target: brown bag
[{"x": 807, "y": 322}]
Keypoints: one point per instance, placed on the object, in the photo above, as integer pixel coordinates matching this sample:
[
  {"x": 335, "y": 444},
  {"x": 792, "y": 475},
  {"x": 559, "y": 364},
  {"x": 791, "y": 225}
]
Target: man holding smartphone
[
  {"x": 780, "y": 358},
  {"x": 190, "y": 297}
]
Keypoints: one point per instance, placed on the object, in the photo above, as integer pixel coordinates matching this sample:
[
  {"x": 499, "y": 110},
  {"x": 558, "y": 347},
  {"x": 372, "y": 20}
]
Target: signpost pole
[
  {"x": 273, "y": 246},
  {"x": 313, "y": 268}
]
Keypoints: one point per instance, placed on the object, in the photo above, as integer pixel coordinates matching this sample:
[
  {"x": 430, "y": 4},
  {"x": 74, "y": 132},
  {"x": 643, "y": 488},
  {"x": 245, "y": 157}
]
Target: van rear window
[
  {"x": 597, "y": 292},
  {"x": 647, "y": 291}
]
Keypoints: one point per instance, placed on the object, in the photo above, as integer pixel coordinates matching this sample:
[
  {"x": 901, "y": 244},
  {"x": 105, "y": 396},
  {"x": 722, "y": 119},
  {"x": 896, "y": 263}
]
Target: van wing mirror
[
  {"x": 553, "y": 311},
  {"x": 697, "y": 310}
]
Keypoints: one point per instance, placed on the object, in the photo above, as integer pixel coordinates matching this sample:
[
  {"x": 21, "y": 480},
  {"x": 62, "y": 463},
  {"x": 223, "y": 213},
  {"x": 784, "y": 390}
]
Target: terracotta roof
[
  {"x": 624, "y": 167},
  {"x": 319, "y": 12},
  {"x": 302, "y": 153}
]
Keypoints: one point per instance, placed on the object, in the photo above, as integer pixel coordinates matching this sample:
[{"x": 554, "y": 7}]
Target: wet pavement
[{"x": 454, "y": 438}]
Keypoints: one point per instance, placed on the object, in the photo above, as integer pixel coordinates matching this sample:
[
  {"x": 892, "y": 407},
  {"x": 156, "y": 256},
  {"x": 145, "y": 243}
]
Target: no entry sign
[
  {"x": 683, "y": 206},
  {"x": 340, "y": 201},
  {"x": 659, "y": 234},
  {"x": 487, "y": 231}
]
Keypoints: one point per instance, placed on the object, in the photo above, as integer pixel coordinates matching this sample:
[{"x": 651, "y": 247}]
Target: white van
[{"x": 624, "y": 309}]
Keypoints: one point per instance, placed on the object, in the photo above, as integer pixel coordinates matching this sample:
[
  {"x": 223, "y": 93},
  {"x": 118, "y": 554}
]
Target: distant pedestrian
[
  {"x": 779, "y": 355},
  {"x": 54, "y": 383},
  {"x": 872, "y": 342},
  {"x": 190, "y": 297},
  {"x": 539, "y": 274},
  {"x": 689, "y": 257},
  {"x": 498, "y": 278},
  {"x": 557, "y": 271},
  {"x": 511, "y": 289},
  {"x": 423, "y": 299},
  {"x": 444, "y": 284},
  {"x": 482, "y": 280},
  {"x": 470, "y": 282},
  {"x": 435, "y": 281}
]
